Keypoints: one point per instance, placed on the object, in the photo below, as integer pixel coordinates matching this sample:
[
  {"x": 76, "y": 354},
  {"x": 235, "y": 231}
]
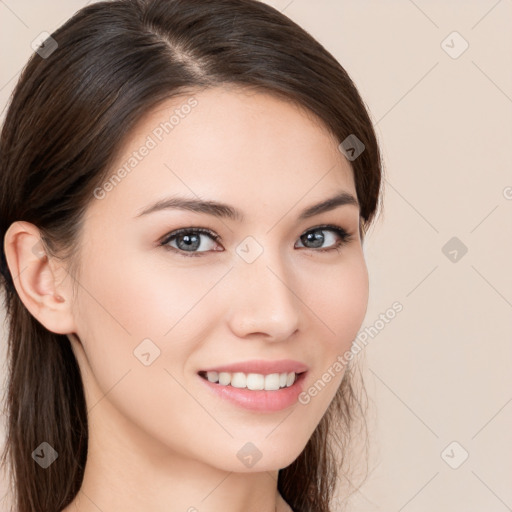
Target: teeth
[
  {"x": 212, "y": 376},
  {"x": 238, "y": 380},
  {"x": 272, "y": 381},
  {"x": 253, "y": 381},
  {"x": 224, "y": 378}
]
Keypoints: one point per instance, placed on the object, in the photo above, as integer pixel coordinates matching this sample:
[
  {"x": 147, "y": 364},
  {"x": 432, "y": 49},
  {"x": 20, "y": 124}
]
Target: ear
[{"x": 38, "y": 279}]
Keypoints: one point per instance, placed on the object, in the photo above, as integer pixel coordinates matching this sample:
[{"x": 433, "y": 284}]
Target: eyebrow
[{"x": 224, "y": 210}]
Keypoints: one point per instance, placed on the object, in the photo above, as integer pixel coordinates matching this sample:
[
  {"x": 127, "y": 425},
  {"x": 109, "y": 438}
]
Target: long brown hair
[{"x": 70, "y": 112}]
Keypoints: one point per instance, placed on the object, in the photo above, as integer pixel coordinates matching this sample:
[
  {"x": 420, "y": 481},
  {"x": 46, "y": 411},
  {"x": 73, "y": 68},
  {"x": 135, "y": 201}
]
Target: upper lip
[{"x": 261, "y": 366}]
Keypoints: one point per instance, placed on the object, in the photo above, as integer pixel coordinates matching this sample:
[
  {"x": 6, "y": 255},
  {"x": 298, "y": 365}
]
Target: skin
[{"x": 158, "y": 439}]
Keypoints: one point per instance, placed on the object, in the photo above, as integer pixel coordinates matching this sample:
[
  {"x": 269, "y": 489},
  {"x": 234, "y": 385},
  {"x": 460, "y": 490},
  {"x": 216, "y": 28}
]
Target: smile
[{"x": 252, "y": 381}]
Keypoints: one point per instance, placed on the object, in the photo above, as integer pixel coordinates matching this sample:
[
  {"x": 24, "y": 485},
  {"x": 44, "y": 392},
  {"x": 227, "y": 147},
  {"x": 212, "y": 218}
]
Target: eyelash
[{"x": 345, "y": 237}]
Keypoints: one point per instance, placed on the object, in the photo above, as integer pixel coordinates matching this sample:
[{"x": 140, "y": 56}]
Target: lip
[
  {"x": 261, "y": 401},
  {"x": 261, "y": 366}
]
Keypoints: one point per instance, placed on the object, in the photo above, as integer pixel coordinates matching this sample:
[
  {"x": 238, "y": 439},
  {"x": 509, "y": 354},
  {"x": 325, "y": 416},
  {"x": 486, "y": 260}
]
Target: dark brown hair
[{"x": 70, "y": 112}]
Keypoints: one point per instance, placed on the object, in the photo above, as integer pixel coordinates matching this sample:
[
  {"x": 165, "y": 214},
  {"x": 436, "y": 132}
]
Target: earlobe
[{"x": 37, "y": 279}]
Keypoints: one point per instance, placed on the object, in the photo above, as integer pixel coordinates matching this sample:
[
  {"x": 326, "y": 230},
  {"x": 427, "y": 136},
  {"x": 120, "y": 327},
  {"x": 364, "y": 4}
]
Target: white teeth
[
  {"x": 212, "y": 376},
  {"x": 239, "y": 380},
  {"x": 224, "y": 378},
  {"x": 253, "y": 381},
  {"x": 272, "y": 381}
]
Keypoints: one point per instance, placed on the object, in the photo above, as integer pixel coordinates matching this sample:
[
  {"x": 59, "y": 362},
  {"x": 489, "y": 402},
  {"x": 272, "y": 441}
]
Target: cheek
[
  {"x": 144, "y": 297},
  {"x": 130, "y": 301},
  {"x": 117, "y": 317},
  {"x": 339, "y": 300}
]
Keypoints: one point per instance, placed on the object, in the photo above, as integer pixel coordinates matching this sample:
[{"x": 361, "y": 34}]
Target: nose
[{"x": 263, "y": 299}]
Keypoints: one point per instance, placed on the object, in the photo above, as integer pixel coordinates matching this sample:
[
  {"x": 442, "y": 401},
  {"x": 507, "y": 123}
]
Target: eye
[
  {"x": 315, "y": 237},
  {"x": 189, "y": 240}
]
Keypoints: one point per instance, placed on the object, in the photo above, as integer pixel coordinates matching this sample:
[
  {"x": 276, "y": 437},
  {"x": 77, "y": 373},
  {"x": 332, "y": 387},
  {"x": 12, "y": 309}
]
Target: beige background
[{"x": 439, "y": 372}]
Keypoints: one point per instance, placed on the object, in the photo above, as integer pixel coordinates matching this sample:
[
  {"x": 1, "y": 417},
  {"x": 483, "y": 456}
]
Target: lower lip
[{"x": 260, "y": 400}]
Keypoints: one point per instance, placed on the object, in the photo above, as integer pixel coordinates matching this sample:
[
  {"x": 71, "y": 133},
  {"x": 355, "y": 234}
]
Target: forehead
[{"x": 231, "y": 144}]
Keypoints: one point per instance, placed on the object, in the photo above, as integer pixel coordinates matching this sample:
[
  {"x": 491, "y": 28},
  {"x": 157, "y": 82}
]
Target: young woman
[{"x": 185, "y": 186}]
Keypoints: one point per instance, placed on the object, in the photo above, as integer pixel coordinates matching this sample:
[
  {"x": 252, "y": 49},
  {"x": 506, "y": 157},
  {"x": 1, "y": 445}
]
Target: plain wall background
[{"x": 438, "y": 373}]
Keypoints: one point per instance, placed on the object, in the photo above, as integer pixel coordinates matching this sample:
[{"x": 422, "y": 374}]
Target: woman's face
[{"x": 152, "y": 310}]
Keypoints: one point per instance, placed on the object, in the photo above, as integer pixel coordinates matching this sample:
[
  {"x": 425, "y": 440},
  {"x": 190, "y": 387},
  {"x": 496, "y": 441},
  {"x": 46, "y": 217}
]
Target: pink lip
[
  {"x": 262, "y": 401},
  {"x": 261, "y": 366}
]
